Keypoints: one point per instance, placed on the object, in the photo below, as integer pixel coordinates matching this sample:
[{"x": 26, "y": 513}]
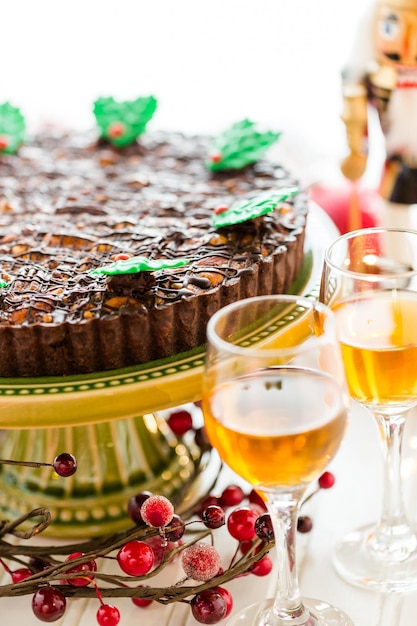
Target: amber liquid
[
  {"x": 278, "y": 427},
  {"x": 379, "y": 347}
]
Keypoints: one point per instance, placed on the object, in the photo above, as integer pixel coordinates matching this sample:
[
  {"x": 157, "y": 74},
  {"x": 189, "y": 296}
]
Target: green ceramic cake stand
[{"x": 111, "y": 422}]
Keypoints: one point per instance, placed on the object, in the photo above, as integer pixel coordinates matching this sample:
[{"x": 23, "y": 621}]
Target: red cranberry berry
[
  {"x": 208, "y": 607},
  {"x": 232, "y": 495},
  {"x": 262, "y": 567},
  {"x": 48, "y": 604},
  {"x": 141, "y": 602},
  {"x": 201, "y": 561},
  {"x": 157, "y": 511},
  {"x": 135, "y": 558},
  {"x": 227, "y": 597},
  {"x": 201, "y": 439},
  {"x": 263, "y": 527},
  {"x": 213, "y": 516},
  {"x": 88, "y": 566},
  {"x": 255, "y": 498},
  {"x": 65, "y": 464},
  {"x": 174, "y": 531},
  {"x": 108, "y": 615},
  {"x": 241, "y": 523},
  {"x": 134, "y": 505},
  {"x": 180, "y": 422},
  {"x": 304, "y": 524},
  {"x": 326, "y": 480},
  {"x": 208, "y": 501},
  {"x": 20, "y": 574}
]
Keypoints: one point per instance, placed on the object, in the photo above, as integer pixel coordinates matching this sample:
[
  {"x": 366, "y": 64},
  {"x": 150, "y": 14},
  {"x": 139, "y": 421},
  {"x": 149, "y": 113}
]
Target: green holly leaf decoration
[
  {"x": 244, "y": 210},
  {"x": 3, "y": 284},
  {"x": 239, "y": 145},
  {"x": 12, "y": 128},
  {"x": 137, "y": 264},
  {"x": 121, "y": 123}
]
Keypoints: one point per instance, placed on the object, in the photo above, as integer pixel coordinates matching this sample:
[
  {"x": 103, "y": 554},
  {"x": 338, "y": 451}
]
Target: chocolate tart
[{"x": 70, "y": 204}]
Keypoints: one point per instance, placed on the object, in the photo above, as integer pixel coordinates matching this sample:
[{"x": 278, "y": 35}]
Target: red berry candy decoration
[
  {"x": 241, "y": 523},
  {"x": 108, "y": 615},
  {"x": 135, "y": 504},
  {"x": 180, "y": 422},
  {"x": 208, "y": 607},
  {"x": 262, "y": 567},
  {"x": 65, "y": 464},
  {"x": 135, "y": 558},
  {"x": 18, "y": 574},
  {"x": 304, "y": 524},
  {"x": 213, "y": 516},
  {"x": 157, "y": 511},
  {"x": 227, "y": 597},
  {"x": 201, "y": 561},
  {"x": 48, "y": 604},
  {"x": 232, "y": 495},
  {"x": 88, "y": 566},
  {"x": 326, "y": 480},
  {"x": 141, "y": 602}
]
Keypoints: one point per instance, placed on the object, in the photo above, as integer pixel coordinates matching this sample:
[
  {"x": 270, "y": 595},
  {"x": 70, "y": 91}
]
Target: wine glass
[
  {"x": 370, "y": 282},
  {"x": 275, "y": 408}
]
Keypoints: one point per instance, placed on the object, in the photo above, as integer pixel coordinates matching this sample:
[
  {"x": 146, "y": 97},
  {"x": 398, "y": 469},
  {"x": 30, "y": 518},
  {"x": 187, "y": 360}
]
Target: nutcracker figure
[{"x": 382, "y": 74}]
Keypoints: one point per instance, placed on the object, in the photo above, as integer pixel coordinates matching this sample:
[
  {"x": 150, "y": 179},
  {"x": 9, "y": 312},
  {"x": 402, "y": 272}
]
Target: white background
[{"x": 209, "y": 63}]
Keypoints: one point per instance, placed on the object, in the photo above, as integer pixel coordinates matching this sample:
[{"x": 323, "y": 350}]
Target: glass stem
[
  {"x": 393, "y": 538},
  {"x": 284, "y": 509}
]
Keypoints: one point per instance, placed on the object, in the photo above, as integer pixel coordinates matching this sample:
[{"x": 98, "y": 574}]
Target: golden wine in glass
[
  {"x": 275, "y": 408},
  {"x": 370, "y": 281}
]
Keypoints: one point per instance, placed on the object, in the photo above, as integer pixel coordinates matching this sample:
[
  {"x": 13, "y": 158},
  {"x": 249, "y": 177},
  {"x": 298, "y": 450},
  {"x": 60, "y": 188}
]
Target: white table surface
[{"x": 354, "y": 500}]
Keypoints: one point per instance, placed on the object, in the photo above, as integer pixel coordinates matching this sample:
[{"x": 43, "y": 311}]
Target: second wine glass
[
  {"x": 370, "y": 281},
  {"x": 275, "y": 407}
]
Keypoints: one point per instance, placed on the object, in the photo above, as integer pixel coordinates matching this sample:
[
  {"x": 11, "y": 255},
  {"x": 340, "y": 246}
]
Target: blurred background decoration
[{"x": 209, "y": 63}]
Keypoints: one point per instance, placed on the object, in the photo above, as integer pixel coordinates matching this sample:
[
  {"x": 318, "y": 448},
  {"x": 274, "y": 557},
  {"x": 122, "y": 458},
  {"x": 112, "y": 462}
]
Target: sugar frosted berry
[
  {"x": 135, "y": 558},
  {"x": 157, "y": 511},
  {"x": 208, "y": 607},
  {"x": 48, "y": 604},
  {"x": 201, "y": 561}
]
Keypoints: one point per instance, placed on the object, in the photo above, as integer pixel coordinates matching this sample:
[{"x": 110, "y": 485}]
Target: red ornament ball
[
  {"x": 241, "y": 523},
  {"x": 135, "y": 558},
  {"x": 108, "y": 615},
  {"x": 48, "y": 604}
]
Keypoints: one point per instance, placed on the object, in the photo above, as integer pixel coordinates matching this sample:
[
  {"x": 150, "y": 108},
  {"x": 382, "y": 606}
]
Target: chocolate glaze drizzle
[{"x": 69, "y": 204}]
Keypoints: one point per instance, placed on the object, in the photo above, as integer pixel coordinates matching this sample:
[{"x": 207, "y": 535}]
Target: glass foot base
[
  {"x": 318, "y": 613},
  {"x": 358, "y": 565}
]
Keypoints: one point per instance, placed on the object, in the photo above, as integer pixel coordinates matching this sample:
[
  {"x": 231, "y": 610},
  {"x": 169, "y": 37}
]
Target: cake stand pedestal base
[{"x": 116, "y": 460}]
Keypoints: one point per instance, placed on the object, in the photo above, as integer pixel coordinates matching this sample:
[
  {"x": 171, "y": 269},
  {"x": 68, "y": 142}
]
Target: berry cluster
[{"x": 158, "y": 536}]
